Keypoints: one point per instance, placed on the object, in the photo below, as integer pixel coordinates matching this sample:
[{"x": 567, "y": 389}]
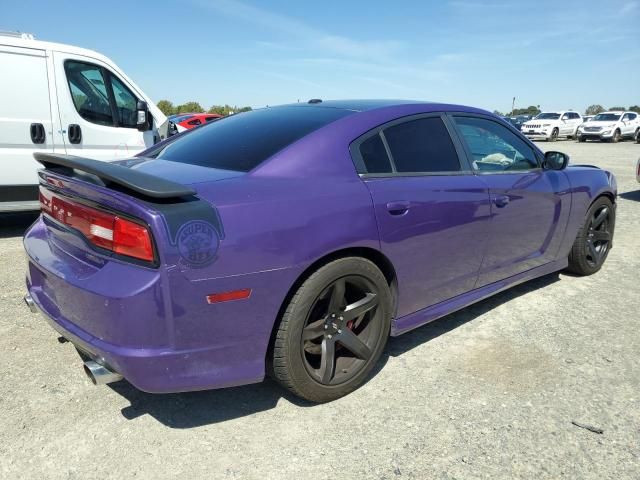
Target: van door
[
  {"x": 97, "y": 110},
  {"x": 25, "y": 124}
]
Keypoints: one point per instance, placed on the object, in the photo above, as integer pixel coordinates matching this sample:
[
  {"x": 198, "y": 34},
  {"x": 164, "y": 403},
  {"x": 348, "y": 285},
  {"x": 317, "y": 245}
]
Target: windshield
[
  {"x": 606, "y": 117},
  {"x": 242, "y": 141},
  {"x": 548, "y": 116}
]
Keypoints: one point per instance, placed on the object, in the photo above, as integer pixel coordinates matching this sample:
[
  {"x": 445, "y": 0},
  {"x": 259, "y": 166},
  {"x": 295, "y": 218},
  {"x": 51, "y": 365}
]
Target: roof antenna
[{"x": 315, "y": 100}]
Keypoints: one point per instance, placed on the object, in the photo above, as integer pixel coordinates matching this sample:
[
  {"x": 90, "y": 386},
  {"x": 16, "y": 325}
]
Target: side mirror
[
  {"x": 555, "y": 160},
  {"x": 142, "y": 116}
]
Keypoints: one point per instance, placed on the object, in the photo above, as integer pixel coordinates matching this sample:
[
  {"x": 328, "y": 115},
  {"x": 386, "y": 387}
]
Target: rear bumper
[
  {"x": 155, "y": 370},
  {"x": 154, "y": 326}
]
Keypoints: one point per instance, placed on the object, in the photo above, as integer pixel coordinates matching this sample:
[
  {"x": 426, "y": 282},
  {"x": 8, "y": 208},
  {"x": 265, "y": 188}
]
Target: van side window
[
  {"x": 126, "y": 103},
  {"x": 89, "y": 92}
]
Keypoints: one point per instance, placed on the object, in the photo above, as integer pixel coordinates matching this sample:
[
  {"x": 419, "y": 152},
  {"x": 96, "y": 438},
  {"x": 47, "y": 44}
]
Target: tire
[
  {"x": 554, "y": 135},
  {"x": 616, "y": 136},
  {"x": 582, "y": 139},
  {"x": 637, "y": 136},
  {"x": 323, "y": 349},
  {"x": 594, "y": 239}
]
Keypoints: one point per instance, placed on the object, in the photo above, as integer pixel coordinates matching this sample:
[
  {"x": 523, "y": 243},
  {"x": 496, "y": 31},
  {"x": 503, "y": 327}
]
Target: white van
[{"x": 64, "y": 99}]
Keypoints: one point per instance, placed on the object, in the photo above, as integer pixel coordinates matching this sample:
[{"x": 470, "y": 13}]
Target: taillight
[{"x": 103, "y": 229}]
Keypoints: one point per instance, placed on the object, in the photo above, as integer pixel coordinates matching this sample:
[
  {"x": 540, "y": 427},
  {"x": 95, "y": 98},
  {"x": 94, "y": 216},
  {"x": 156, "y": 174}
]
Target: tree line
[
  {"x": 168, "y": 108},
  {"x": 591, "y": 110}
]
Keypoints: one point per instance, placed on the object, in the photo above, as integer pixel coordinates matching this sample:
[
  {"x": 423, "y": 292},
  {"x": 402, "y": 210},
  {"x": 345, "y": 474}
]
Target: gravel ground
[{"x": 488, "y": 392}]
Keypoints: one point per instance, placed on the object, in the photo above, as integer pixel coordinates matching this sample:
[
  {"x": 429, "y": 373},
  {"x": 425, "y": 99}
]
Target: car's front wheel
[
  {"x": 333, "y": 330},
  {"x": 554, "y": 135},
  {"x": 616, "y": 136},
  {"x": 594, "y": 239}
]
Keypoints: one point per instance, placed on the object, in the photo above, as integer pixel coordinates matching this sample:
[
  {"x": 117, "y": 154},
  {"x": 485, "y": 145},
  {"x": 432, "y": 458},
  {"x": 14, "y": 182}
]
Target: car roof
[{"x": 354, "y": 105}]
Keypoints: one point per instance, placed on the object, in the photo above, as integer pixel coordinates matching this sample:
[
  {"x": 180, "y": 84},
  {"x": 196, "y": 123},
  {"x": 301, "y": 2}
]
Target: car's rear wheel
[
  {"x": 333, "y": 330},
  {"x": 554, "y": 135},
  {"x": 594, "y": 239}
]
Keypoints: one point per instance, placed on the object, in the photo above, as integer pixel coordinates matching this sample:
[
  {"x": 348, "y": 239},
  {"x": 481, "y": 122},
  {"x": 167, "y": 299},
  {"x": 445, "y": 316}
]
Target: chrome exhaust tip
[
  {"x": 99, "y": 374},
  {"x": 30, "y": 303}
]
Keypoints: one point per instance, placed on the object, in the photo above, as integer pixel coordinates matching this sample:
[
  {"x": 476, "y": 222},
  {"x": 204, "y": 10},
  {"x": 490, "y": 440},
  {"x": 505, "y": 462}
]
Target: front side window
[
  {"x": 494, "y": 147},
  {"x": 422, "y": 146},
  {"x": 126, "y": 104},
  {"x": 89, "y": 92}
]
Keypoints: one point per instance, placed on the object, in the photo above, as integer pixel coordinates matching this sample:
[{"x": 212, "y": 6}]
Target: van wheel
[
  {"x": 333, "y": 330},
  {"x": 594, "y": 239}
]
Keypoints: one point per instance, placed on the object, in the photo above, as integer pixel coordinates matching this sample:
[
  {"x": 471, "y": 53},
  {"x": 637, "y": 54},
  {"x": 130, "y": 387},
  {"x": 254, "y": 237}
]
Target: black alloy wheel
[
  {"x": 333, "y": 331},
  {"x": 341, "y": 330},
  {"x": 598, "y": 236},
  {"x": 594, "y": 240}
]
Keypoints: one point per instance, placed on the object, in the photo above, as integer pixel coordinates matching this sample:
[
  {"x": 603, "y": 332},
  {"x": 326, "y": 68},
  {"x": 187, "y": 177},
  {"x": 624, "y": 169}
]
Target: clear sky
[{"x": 559, "y": 54}]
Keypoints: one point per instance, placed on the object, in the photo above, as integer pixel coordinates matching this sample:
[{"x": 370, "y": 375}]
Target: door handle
[
  {"x": 37, "y": 132},
  {"x": 74, "y": 133},
  {"x": 501, "y": 201},
  {"x": 398, "y": 208}
]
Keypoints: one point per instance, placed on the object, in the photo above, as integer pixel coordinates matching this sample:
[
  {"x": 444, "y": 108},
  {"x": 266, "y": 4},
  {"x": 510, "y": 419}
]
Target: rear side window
[
  {"x": 374, "y": 155},
  {"x": 422, "y": 145},
  {"x": 242, "y": 141}
]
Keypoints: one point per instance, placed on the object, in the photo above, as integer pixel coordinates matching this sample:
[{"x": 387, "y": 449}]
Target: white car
[
  {"x": 552, "y": 125},
  {"x": 610, "y": 126},
  {"x": 64, "y": 99}
]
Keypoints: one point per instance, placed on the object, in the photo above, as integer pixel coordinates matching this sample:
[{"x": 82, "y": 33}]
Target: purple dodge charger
[{"x": 294, "y": 240}]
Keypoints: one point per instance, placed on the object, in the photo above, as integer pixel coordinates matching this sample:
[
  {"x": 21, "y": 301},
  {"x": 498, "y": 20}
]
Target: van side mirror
[
  {"x": 555, "y": 161},
  {"x": 143, "y": 122}
]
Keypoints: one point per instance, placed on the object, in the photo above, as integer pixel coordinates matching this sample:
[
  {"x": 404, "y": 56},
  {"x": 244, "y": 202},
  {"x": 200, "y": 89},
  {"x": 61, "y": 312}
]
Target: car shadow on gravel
[
  {"x": 634, "y": 195},
  {"x": 194, "y": 409},
  {"x": 15, "y": 224}
]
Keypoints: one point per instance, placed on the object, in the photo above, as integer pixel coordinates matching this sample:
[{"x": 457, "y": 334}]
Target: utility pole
[{"x": 513, "y": 105}]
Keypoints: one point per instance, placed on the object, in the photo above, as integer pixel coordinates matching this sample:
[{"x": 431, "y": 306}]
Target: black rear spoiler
[{"x": 129, "y": 178}]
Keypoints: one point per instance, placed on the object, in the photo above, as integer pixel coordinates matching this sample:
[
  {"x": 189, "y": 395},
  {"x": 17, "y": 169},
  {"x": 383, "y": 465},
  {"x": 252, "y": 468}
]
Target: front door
[
  {"x": 432, "y": 211},
  {"x": 97, "y": 110},
  {"x": 529, "y": 205}
]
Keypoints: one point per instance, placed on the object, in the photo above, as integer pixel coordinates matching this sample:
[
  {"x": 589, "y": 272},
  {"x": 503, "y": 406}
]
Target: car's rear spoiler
[{"x": 129, "y": 178}]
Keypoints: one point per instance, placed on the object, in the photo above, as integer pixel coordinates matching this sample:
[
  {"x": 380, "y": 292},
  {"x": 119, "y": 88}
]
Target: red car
[{"x": 187, "y": 121}]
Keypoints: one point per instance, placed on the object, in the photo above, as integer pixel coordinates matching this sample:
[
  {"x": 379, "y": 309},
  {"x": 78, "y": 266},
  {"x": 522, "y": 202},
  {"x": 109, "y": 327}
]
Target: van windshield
[{"x": 242, "y": 141}]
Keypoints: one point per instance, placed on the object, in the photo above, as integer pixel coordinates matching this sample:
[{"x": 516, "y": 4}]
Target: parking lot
[{"x": 488, "y": 392}]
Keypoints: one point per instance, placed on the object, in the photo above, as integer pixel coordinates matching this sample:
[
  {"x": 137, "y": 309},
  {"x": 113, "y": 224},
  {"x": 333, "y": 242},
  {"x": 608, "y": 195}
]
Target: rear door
[
  {"x": 432, "y": 211},
  {"x": 26, "y": 123},
  {"x": 97, "y": 110},
  {"x": 529, "y": 205}
]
